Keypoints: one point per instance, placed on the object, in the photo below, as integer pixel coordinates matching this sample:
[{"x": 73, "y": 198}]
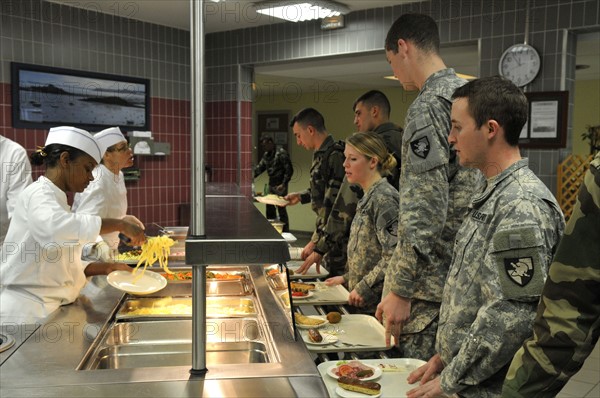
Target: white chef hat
[
  {"x": 109, "y": 137},
  {"x": 76, "y": 138}
]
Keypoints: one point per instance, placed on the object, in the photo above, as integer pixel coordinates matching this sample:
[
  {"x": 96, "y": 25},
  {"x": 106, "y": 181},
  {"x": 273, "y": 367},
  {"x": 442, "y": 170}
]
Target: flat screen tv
[{"x": 43, "y": 97}]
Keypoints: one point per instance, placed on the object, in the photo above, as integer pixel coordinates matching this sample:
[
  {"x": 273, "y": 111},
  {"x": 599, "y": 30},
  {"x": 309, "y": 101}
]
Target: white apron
[{"x": 41, "y": 267}]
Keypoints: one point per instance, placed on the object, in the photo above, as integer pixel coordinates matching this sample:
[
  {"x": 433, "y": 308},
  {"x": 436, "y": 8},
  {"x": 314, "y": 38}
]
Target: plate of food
[
  {"x": 272, "y": 200},
  {"x": 310, "y": 321},
  {"x": 299, "y": 295},
  {"x": 144, "y": 283},
  {"x": 315, "y": 337},
  {"x": 354, "y": 370},
  {"x": 354, "y": 388}
]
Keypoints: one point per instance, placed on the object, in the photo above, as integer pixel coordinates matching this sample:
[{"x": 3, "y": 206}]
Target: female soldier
[
  {"x": 41, "y": 267},
  {"x": 373, "y": 234},
  {"x": 106, "y": 196}
]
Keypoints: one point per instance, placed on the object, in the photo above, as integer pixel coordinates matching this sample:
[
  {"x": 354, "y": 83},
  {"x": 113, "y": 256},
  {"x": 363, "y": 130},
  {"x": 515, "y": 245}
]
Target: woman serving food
[
  {"x": 373, "y": 233},
  {"x": 41, "y": 265},
  {"x": 106, "y": 196}
]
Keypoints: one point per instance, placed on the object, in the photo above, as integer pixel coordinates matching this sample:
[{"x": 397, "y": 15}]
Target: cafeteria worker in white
[
  {"x": 41, "y": 267},
  {"x": 106, "y": 196}
]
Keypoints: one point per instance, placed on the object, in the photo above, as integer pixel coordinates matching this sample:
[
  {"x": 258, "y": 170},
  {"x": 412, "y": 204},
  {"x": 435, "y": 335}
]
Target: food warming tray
[
  {"x": 219, "y": 287},
  {"x": 180, "y": 307}
]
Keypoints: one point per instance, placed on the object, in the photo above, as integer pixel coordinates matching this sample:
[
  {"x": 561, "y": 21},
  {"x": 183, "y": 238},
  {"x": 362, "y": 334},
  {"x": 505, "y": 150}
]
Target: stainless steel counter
[{"x": 46, "y": 362}]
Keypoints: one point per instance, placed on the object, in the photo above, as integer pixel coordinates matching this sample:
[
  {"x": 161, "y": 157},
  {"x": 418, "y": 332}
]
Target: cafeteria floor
[{"x": 585, "y": 384}]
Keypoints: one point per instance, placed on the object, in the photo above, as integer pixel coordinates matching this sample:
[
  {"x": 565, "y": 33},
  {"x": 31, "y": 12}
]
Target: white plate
[
  {"x": 270, "y": 200},
  {"x": 308, "y": 294},
  {"x": 328, "y": 338},
  {"x": 352, "y": 394},
  {"x": 313, "y": 326},
  {"x": 149, "y": 282},
  {"x": 377, "y": 372}
]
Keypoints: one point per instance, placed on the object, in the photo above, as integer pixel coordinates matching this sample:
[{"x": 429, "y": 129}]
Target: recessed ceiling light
[{"x": 302, "y": 10}]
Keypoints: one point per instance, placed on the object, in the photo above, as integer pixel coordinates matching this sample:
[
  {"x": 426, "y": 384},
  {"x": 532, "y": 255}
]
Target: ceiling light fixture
[{"x": 301, "y": 10}]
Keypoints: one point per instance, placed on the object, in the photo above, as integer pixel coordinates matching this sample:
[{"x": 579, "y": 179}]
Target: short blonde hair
[{"x": 371, "y": 145}]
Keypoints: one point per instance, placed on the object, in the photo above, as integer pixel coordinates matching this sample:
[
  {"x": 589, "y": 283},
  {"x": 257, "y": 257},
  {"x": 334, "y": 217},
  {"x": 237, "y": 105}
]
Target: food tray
[
  {"x": 322, "y": 295},
  {"x": 310, "y": 274},
  {"x": 354, "y": 329},
  {"x": 393, "y": 384},
  {"x": 217, "y": 287},
  {"x": 175, "y": 307},
  {"x": 295, "y": 253}
]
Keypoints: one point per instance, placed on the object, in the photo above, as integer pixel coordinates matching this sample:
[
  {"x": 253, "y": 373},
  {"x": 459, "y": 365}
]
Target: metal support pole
[{"x": 197, "y": 227}]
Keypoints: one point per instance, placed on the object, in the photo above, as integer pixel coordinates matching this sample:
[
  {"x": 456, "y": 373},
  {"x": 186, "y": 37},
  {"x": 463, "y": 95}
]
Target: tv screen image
[{"x": 44, "y": 97}]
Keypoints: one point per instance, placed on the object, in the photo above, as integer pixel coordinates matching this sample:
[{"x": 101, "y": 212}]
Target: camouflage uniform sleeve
[
  {"x": 386, "y": 220},
  {"x": 525, "y": 232},
  {"x": 424, "y": 199},
  {"x": 567, "y": 324},
  {"x": 332, "y": 187},
  {"x": 288, "y": 169},
  {"x": 422, "y": 221},
  {"x": 342, "y": 213},
  {"x": 260, "y": 167}
]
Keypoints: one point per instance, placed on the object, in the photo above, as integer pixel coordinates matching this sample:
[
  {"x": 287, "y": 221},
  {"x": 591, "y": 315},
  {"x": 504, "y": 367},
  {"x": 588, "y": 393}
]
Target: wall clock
[{"x": 520, "y": 63}]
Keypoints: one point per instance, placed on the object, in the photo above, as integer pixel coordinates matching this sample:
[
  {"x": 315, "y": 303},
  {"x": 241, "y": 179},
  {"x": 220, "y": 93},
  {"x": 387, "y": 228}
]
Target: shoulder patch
[
  {"x": 519, "y": 269},
  {"x": 421, "y": 147}
]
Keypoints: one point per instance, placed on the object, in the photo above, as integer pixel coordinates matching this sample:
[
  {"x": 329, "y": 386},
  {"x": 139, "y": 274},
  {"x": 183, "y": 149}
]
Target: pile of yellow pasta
[{"x": 155, "y": 249}]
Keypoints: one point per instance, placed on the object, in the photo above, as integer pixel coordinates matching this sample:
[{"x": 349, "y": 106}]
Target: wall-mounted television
[{"x": 43, "y": 97}]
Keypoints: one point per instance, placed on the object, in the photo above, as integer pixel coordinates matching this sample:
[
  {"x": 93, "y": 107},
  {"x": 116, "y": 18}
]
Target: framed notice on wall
[
  {"x": 546, "y": 125},
  {"x": 274, "y": 125}
]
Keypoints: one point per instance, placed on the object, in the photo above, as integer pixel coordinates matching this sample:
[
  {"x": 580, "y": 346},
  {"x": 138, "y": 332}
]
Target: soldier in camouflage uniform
[
  {"x": 502, "y": 252},
  {"x": 326, "y": 175},
  {"x": 567, "y": 324},
  {"x": 434, "y": 190},
  {"x": 373, "y": 234},
  {"x": 277, "y": 163},
  {"x": 372, "y": 113}
]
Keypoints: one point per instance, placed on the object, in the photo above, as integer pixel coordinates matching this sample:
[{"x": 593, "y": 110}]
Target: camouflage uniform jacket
[
  {"x": 373, "y": 238},
  {"x": 392, "y": 135},
  {"x": 501, "y": 258},
  {"x": 434, "y": 195},
  {"x": 567, "y": 324},
  {"x": 326, "y": 175},
  {"x": 278, "y": 165}
]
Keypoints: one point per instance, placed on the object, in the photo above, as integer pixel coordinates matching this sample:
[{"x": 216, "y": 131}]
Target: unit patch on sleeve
[
  {"x": 519, "y": 270},
  {"x": 421, "y": 147}
]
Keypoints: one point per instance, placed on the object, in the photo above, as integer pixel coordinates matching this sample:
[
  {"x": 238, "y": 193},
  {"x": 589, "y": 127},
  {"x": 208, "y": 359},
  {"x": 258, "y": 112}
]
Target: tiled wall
[
  {"x": 497, "y": 23},
  {"x": 37, "y": 32}
]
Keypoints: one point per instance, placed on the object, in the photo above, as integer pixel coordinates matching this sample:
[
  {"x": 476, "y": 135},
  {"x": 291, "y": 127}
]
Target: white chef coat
[
  {"x": 15, "y": 175},
  {"x": 41, "y": 267},
  {"x": 106, "y": 197}
]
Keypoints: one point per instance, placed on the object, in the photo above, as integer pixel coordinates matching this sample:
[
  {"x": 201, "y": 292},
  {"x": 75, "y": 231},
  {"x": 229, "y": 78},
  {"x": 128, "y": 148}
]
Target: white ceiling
[
  {"x": 221, "y": 16},
  {"x": 350, "y": 71}
]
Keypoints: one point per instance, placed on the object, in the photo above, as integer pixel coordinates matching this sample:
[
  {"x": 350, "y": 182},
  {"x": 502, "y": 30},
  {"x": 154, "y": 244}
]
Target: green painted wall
[
  {"x": 586, "y": 112},
  {"x": 336, "y": 107}
]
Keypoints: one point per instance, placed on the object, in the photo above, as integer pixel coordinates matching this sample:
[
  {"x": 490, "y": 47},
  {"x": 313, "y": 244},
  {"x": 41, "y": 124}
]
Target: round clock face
[{"x": 520, "y": 64}]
